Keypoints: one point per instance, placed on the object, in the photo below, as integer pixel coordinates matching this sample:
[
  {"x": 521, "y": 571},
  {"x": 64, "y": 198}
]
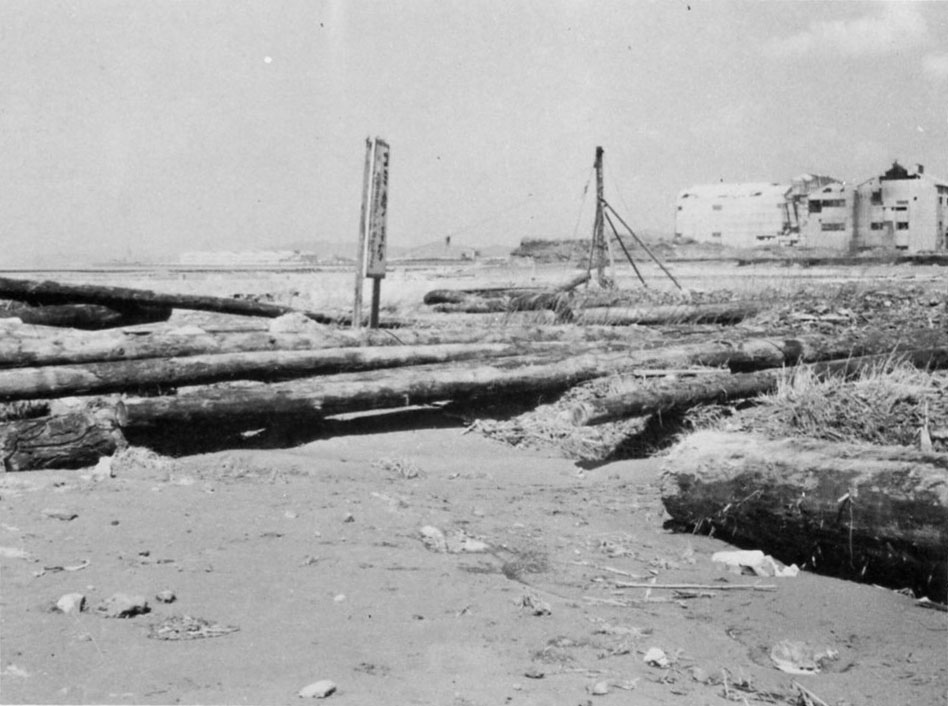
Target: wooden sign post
[{"x": 371, "y": 255}]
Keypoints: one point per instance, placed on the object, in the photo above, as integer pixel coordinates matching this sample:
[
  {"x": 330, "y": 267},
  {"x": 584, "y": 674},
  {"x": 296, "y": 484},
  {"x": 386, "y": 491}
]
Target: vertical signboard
[{"x": 376, "y": 235}]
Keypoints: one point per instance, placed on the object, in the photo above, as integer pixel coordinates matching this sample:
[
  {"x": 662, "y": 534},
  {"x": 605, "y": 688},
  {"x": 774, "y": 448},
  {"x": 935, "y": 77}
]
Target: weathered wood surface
[
  {"x": 46, "y": 292},
  {"x": 87, "y": 316},
  {"x": 169, "y": 373},
  {"x": 869, "y": 512},
  {"x": 36, "y": 346},
  {"x": 675, "y": 314},
  {"x": 355, "y": 392},
  {"x": 67, "y": 441},
  {"x": 683, "y": 394}
]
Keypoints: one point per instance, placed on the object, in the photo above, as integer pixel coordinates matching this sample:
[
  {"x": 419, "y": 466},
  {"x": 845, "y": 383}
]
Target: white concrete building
[
  {"x": 828, "y": 222},
  {"x": 736, "y": 215}
]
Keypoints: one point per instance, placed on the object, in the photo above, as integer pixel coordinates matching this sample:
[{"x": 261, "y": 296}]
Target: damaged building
[
  {"x": 746, "y": 215},
  {"x": 898, "y": 210}
]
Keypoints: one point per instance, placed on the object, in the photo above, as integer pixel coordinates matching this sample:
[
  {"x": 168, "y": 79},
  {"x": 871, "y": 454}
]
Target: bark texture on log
[
  {"x": 36, "y": 292},
  {"x": 878, "y": 514},
  {"x": 706, "y": 390},
  {"x": 28, "y": 346},
  {"x": 679, "y": 314},
  {"x": 87, "y": 316},
  {"x": 68, "y": 441},
  {"x": 166, "y": 373},
  {"x": 356, "y": 392}
]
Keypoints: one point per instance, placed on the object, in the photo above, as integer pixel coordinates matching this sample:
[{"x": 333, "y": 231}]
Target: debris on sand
[
  {"x": 122, "y": 605},
  {"x": 318, "y": 689},
  {"x": 71, "y": 603},
  {"x": 186, "y": 627}
]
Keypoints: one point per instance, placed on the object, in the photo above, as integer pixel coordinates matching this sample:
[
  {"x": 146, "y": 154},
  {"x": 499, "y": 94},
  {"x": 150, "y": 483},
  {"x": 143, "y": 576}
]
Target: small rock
[
  {"x": 339, "y": 598},
  {"x": 318, "y": 689},
  {"x": 535, "y": 605},
  {"x": 166, "y": 596},
  {"x": 349, "y": 517},
  {"x": 60, "y": 514},
  {"x": 103, "y": 469},
  {"x": 656, "y": 657},
  {"x": 121, "y": 605},
  {"x": 700, "y": 675},
  {"x": 600, "y": 688},
  {"x": 290, "y": 515},
  {"x": 71, "y": 603},
  {"x": 433, "y": 539},
  {"x": 534, "y": 672}
]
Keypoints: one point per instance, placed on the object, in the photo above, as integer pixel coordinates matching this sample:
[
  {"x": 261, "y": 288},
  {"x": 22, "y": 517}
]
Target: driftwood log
[
  {"x": 45, "y": 293},
  {"x": 715, "y": 389},
  {"x": 31, "y": 346},
  {"x": 71, "y": 440},
  {"x": 675, "y": 314},
  {"x": 874, "y": 513},
  {"x": 87, "y": 316},
  {"x": 168, "y": 373}
]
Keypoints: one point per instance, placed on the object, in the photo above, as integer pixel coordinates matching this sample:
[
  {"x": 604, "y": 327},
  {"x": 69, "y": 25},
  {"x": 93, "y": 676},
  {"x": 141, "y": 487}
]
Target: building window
[
  {"x": 716, "y": 207},
  {"x": 900, "y": 208},
  {"x": 901, "y": 226},
  {"x": 876, "y": 197},
  {"x": 716, "y": 234},
  {"x": 875, "y": 225},
  {"x": 834, "y": 203},
  {"x": 815, "y": 206},
  {"x": 833, "y": 226}
]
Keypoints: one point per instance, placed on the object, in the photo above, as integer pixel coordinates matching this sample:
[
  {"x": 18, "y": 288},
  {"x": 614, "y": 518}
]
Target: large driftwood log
[
  {"x": 868, "y": 512},
  {"x": 356, "y": 392},
  {"x": 68, "y": 441},
  {"x": 29, "y": 346},
  {"x": 87, "y": 316},
  {"x": 675, "y": 314},
  {"x": 711, "y": 389},
  {"x": 35, "y": 292},
  {"x": 166, "y": 373}
]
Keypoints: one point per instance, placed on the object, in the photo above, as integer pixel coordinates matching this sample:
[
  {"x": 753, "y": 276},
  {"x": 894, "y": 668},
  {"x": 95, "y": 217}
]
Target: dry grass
[{"x": 886, "y": 405}]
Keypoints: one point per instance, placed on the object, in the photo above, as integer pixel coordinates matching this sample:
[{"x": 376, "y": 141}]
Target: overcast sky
[{"x": 133, "y": 129}]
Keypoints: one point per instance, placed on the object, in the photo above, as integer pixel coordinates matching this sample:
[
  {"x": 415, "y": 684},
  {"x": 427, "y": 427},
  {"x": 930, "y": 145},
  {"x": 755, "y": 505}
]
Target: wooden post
[
  {"x": 599, "y": 239},
  {"x": 376, "y": 234},
  {"x": 360, "y": 251}
]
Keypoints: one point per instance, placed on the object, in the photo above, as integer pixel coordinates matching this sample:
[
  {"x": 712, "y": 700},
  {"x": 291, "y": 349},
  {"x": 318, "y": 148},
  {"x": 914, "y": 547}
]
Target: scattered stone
[
  {"x": 534, "y": 672},
  {"x": 318, "y": 689},
  {"x": 121, "y": 605},
  {"x": 166, "y": 596},
  {"x": 656, "y": 657},
  {"x": 290, "y": 515},
  {"x": 700, "y": 675},
  {"x": 600, "y": 688},
  {"x": 433, "y": 539},
  {"x": 339, "y": 598},
  {"x": 71, "y": 603},
  {"x": 535, "y": 605},
  {"x": 60, "y": 514},
  {"x": 460, "y": 543},
  {"x": 795, "y": 657},
  {"x": 349, "y": 517}
]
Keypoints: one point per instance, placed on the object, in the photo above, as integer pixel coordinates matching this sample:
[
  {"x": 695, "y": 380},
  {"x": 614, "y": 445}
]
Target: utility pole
[{"x": 599, "y": 251}]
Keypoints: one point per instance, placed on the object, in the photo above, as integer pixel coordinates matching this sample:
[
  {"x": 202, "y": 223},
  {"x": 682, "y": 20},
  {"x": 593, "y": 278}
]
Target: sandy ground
[{"x": 314, "y": 552}]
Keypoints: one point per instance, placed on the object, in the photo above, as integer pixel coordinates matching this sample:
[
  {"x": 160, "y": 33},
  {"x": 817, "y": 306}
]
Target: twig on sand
[
  {"x": 809, "y": 698},
  {"x": 699, "y": 586}
]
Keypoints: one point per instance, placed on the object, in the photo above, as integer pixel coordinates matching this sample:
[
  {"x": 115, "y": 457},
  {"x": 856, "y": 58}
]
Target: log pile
[{"x": 873, "y": 513}]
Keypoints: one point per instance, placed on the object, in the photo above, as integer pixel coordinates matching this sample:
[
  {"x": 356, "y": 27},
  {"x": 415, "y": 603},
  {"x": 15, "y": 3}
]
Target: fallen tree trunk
[
  {"x": 874, "y": 513},
  {"x": 35, "y": 292},
  {"x": 677, "y": 314},
  {"x": 68, "y": 441},
  {"x": 684, "y": 394},
  {"x": 87, "y": 316},
  {"x": 153, "y": 373},
  {"x": 356, "y": 392},
  {"x": 27, "y": 346}
]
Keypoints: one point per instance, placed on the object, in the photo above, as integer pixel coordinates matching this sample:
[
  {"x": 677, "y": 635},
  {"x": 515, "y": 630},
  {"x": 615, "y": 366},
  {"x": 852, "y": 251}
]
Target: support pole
[
  {"x": 644, "y": 246},
  {"x": 360, "y": 251},
  {"x": 625, "y": 250},
  {"x": 376, "y": 297},
  {"x": 598, "y": 250}
]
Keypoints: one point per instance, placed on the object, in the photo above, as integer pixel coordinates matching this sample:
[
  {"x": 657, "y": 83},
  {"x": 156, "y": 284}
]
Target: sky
[{"x": 139, "y": 130}]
